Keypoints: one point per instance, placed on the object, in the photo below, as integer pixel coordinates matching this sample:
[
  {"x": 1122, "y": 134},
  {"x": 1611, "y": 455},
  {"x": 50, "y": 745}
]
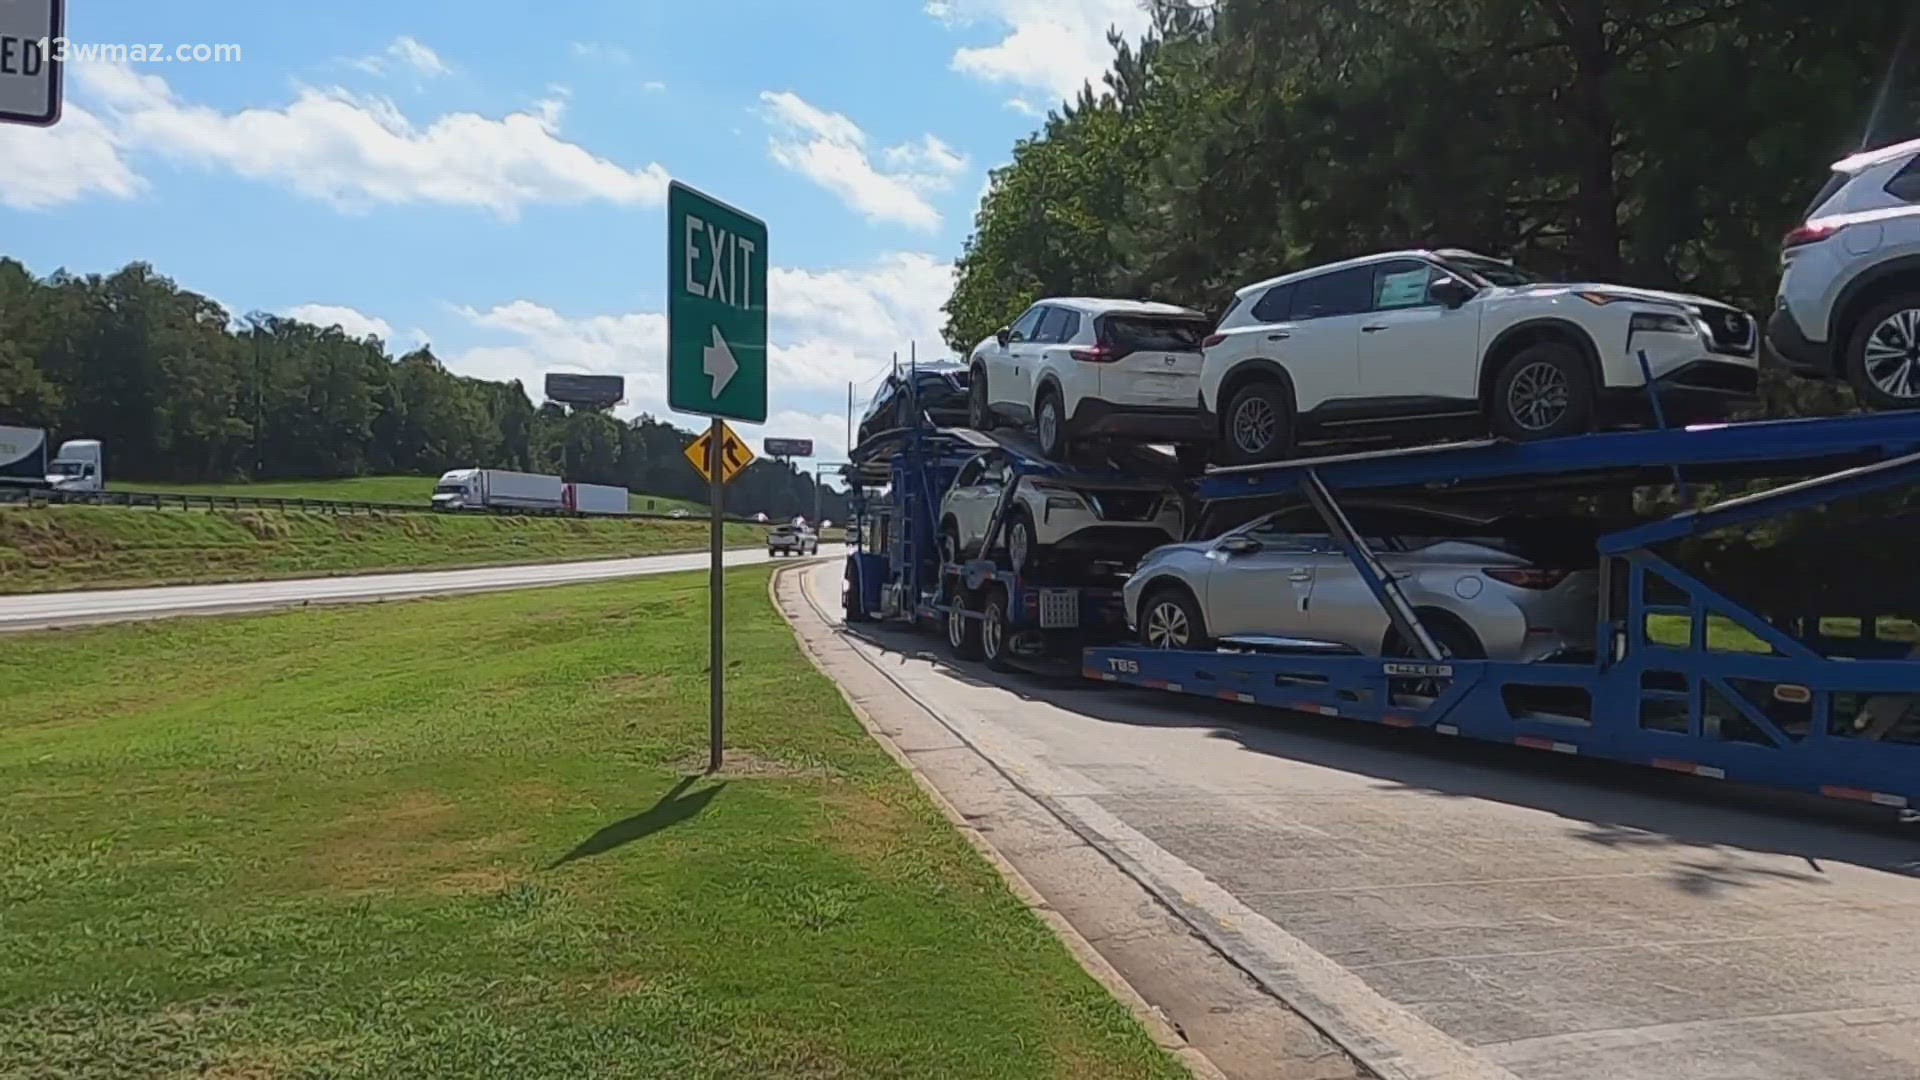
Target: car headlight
[{"x": 1662, "y": 322}]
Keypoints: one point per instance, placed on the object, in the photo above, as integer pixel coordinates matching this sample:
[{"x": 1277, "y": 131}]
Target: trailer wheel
[
  {"x": 964, "y": 635},
  {"x": 1170, "y": 618},
  {"x": 994, "y": 631}
]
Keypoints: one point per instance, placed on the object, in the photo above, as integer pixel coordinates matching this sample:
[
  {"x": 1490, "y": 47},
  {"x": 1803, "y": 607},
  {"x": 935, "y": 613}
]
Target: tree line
[
  {"x": 181, "y": 391},
  {"x": 1665, "y": 143}
]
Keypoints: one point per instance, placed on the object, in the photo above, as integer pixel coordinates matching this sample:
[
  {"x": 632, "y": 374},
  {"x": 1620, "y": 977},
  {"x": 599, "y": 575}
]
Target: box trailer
[
  {"x": 596, "y": 499},
  {"x": 23, "y": 456}
]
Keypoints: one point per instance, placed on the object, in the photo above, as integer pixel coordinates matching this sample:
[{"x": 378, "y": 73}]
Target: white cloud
[
  {"x": 595, "y": 50},
  {"x": 356, "y": 151},
  {"x": 76, "y": 158},
  {"x": 831, "y": 150},
  {"x": 1048, "y": 45},
  {"x": 357, "y": 324},
  {"x": 828, "y": 328},
  {"x": 405, "y": 53},
  {"x": 1023, "y": 106},
  {"x": 351, "y": 322}
]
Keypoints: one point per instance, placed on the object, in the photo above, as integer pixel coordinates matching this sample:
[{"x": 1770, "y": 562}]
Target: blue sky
[{"x": 452, "y": 173}]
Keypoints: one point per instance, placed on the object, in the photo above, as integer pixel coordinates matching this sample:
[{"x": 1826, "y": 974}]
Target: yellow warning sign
[{"x": 734, "y": 455}]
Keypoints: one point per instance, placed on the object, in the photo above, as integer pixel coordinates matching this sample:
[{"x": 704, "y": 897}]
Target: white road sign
[{"x": 29, "y": 73}]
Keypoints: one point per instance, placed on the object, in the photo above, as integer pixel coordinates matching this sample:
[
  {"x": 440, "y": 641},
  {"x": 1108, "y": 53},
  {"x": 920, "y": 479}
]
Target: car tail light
[
  {"x": 1099, "y": 354},
  {"x": 1212, "y": 340},
  {"x": 1526, "y": 577},
  {"x": 1809, "y": 234}
]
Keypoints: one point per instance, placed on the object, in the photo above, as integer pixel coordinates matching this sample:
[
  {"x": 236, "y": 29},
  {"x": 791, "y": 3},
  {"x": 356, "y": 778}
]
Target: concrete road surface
[
  {"x": 46, "y": 610},
  {"x": 1454, "y": 909}
]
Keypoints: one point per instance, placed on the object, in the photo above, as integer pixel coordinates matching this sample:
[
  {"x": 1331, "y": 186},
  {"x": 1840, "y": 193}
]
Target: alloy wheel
[
  {"x": 1254, "y": 425},
  {"x": 1538, "y": 396},
  {"x": 1168, "y": 626},
  {"x": 1892, "y": 357}
]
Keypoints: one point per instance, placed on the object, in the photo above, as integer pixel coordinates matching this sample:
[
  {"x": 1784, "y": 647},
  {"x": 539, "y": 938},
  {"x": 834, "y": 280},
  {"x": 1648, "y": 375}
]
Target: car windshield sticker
[{"x": 1405, "y": 289}]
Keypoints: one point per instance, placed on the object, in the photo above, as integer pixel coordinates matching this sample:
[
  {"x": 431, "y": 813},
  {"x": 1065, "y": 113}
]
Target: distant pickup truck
[{"x": 792, "y": 540}]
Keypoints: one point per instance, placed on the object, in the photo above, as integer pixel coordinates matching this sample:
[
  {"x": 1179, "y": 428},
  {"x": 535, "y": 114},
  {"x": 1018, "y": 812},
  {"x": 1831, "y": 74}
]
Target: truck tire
[
  {"x": 854, "y": 611},
  {"x": 995, "y": 630},
  {"x": 964, "y": 635}
]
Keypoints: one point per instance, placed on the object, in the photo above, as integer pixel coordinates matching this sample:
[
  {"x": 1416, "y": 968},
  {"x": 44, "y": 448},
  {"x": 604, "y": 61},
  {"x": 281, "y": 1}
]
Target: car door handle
[
  {"x": 1373, "y": 328},
  {"x": 1281, "y": 336},
  {"x": 1300, "y": 575}
]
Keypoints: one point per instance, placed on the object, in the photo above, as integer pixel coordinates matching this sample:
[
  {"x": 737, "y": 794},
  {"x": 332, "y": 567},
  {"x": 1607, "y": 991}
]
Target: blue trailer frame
[
  {"x": 1792, "y": 717},
  {"x": 909, "y": 580}
]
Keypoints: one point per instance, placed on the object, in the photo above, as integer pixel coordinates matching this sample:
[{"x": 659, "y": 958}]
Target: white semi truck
[
  {"x": 81, "y": 464},
  {"x": 498, "y": 489}
]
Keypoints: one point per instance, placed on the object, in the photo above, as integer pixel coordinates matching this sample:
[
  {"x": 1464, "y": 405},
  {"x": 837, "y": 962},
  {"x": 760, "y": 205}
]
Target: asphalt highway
[{"x": 41, "y": 611}]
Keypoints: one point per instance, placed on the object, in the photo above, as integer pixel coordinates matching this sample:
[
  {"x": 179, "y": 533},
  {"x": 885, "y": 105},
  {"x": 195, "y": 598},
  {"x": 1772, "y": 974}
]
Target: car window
[
  {"x": 1051, "y": 323},
  {"x": 1343, "y": 292},
  {"x": 993, "y": 472},
  {"x": 882, "y": 398},
  {"x": 1069, "y": 327},
  {"x": 1023, "y": 330},
  {"x": 1276, "y": 305},
  {"x": 1134, "y": 333},
  {"x": 1835, "y": 181},
  {"x": 1905, "y": 184},
  {"x": 969, "y": 473},
  {"x": 1401, "y": 283}
]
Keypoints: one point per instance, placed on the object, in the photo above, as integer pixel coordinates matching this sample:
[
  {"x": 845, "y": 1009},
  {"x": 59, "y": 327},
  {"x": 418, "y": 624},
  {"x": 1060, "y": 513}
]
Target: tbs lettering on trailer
[
  {"x": 1124, "y": 666},
  {"x": 31, "y": 70},
  {"x": 1422, "y": 671}
]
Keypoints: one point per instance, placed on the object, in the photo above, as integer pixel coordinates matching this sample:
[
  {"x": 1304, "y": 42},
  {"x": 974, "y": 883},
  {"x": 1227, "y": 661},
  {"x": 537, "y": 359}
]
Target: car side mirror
[
  {"x": 1003, "y": 335},
  {"x": 1240, "y": 545},
  {"x": 1451, "y": 292}
]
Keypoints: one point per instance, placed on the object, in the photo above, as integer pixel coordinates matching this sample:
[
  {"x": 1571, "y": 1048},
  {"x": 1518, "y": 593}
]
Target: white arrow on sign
[{"x": 718, "y": 362}]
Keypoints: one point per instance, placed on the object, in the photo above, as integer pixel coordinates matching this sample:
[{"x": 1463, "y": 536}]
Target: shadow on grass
[{"x": 673, "y": 808}]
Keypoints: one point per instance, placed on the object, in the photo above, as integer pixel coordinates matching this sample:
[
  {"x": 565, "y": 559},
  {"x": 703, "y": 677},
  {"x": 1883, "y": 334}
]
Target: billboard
[
  {"x": 788, "y": 447},
  {"x": 586, "y": 391}
]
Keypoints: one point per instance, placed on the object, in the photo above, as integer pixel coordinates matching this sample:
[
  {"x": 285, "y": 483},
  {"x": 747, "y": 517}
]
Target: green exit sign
[{"x": 716, "y": 308}]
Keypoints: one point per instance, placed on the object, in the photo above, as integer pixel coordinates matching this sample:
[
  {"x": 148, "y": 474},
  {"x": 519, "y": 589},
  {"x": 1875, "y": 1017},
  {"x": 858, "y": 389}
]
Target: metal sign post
[
  {"x": 716, "y": 596},
  {"x": 716, "y": 367}
]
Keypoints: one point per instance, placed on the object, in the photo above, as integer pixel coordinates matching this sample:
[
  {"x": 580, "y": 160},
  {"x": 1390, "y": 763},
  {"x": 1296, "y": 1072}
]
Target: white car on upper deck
[
  {"x": 1407, "y": 344},
  {"x": 1074, "y": 367}
]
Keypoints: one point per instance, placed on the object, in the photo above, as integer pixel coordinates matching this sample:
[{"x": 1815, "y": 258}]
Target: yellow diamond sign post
[{"x": 735, "y": 455}]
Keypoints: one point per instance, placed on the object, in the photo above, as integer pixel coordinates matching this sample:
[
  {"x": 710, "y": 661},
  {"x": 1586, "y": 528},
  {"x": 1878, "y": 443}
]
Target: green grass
[
  {"x": 458, "y": 838},
  {"x": 415, "y": 490},
  {"x": 1725, "y": 635},
  {"x": 77, "y": 547}
]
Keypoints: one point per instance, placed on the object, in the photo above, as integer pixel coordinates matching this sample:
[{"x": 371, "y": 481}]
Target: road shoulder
[{"x": 1193, "y": 1000}]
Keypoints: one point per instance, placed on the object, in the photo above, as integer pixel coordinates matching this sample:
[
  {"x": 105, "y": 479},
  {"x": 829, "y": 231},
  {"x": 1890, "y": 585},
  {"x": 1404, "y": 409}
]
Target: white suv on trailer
[
  {"x": 1413, "y": 343},
  {"x": 1118, "y": 520},
  {"x": 1074, "y": 367},
  {"x": 1849, "y": 300}
]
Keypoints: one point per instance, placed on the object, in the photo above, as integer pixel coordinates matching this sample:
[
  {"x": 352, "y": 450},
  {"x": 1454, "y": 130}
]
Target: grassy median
[
  {"x": 383, "y": 489},
  {"x": 468, "y": 837},
  {"x": 80, "y": 547}
]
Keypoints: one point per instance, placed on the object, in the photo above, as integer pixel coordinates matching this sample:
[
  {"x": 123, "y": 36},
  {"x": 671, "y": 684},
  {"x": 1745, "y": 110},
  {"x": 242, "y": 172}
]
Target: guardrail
[{"x": 174, "y": 500}]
